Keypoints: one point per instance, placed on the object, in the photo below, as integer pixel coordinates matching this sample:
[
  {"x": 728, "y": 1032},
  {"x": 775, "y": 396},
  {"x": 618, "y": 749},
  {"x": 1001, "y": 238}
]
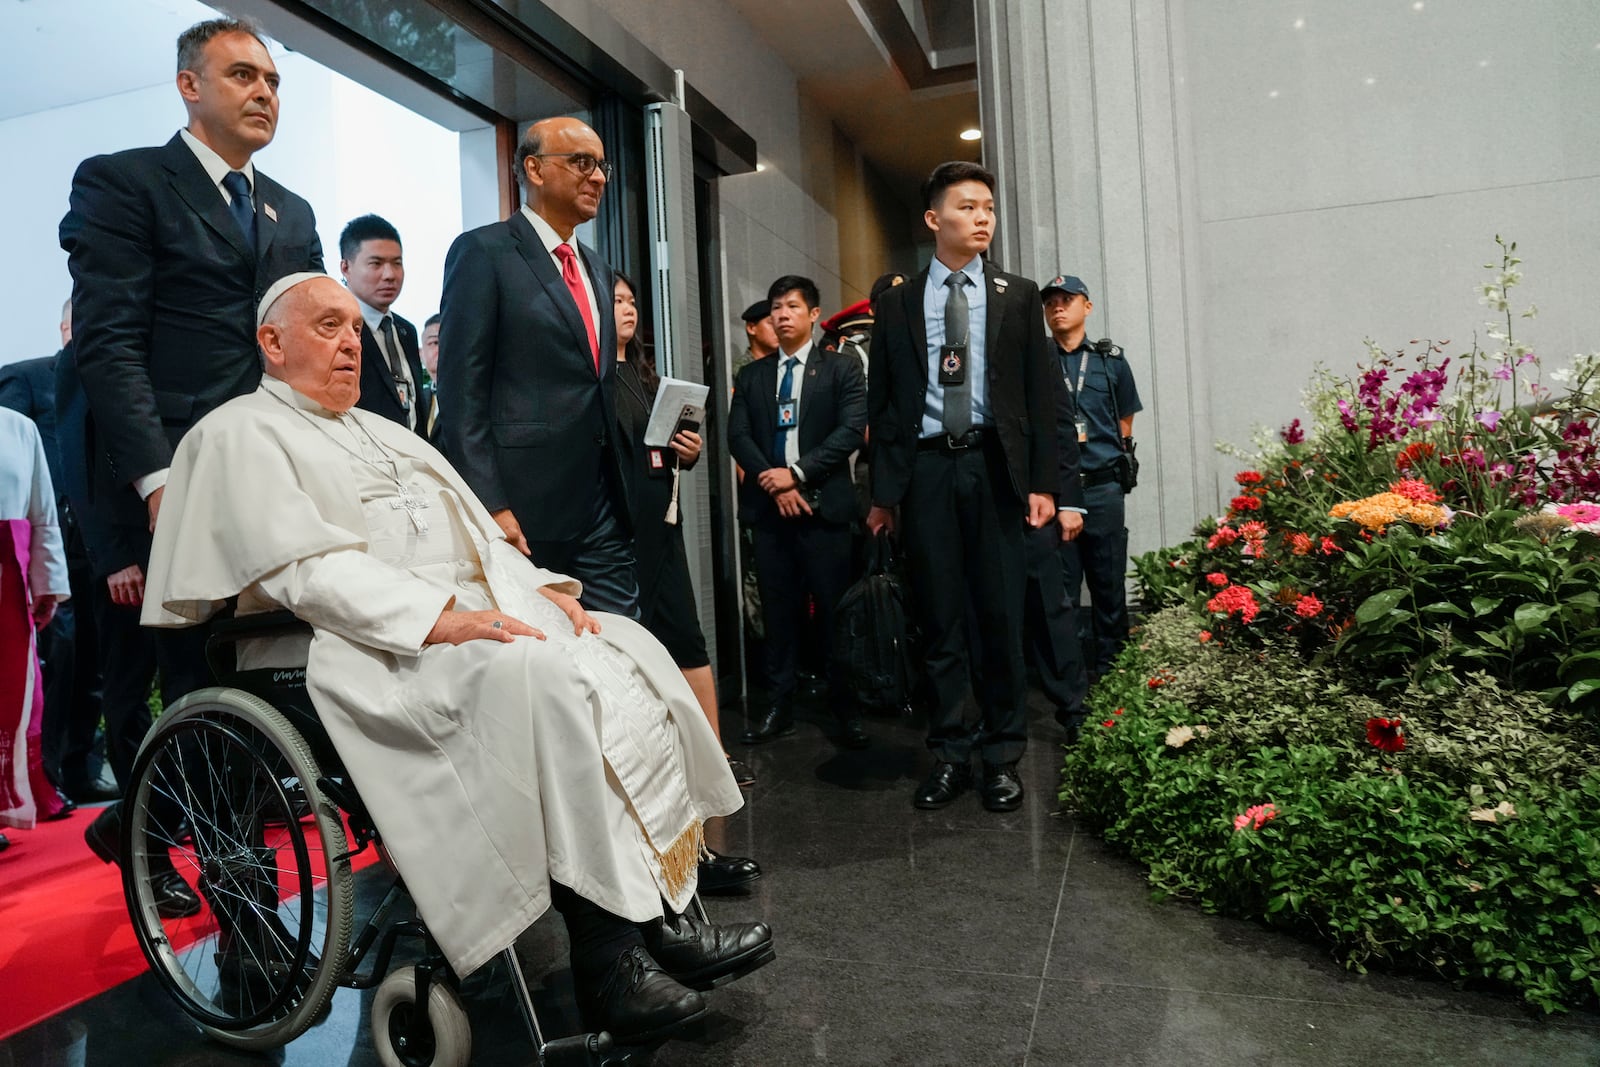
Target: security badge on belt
[
  {"x": 657, "y": 460},
  {"x": 952, "y": 364}
]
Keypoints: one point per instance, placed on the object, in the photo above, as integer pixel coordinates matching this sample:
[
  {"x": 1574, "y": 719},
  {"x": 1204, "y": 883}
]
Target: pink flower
[
  {"x": 1329, "y": 547},
  {"x": 1490, "y": 420},
  {"x": 1292, "y": 434},
  {"x": 1255, "y": 816},
  {"x": 1583, "y": 515},
  {"x": 1414, "y": 489},
  {"x": 1502, "y": 372},
  {"x": 1346, "y": 418},
  {"x": 1225, "y": 535}
]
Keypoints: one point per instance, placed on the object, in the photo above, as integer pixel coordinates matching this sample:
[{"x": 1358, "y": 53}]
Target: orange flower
[{"x": 1299, "y": 544}]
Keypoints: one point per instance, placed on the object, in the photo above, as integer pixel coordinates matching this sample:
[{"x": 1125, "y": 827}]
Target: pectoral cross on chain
[{"x": 413, "y": 506}]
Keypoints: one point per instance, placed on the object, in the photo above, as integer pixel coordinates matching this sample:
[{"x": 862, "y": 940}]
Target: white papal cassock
[{"x": 489, "y": 768}]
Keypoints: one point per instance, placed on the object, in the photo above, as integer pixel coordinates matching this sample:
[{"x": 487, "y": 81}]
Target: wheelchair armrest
[{"x": 227, "y": 632}]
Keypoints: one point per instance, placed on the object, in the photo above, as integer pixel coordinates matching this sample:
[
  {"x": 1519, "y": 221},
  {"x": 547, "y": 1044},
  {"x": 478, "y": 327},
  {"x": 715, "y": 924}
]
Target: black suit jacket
[
  {"x": 1021, "y": 387},
  {"x": 833, "y": 418},
  {"x": 164, "y": 294},
  {"x": 111, "y": 546},
  {"x": 378, "y": 392},
  {"x": 525, "y": 418},
  {"x": 29, "y": 387}
]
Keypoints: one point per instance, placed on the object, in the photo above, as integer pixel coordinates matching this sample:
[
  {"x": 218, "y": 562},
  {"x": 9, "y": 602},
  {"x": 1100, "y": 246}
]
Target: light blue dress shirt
[{"x": 933, "y": 301}]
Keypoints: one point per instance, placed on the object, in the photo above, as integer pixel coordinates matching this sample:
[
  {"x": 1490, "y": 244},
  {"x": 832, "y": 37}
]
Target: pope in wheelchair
[{"x": 512, "y": 750}]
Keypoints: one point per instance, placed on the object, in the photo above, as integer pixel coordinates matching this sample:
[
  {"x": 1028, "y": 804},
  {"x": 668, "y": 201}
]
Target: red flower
[
  {"x": 1235, "y": 599},
  {"x": 1415, "y": 489},
  {"x": 1299, "y": 544},
  {"x": 1156, "y": 683},
  {"x": 1225, "y": 535},
  {"x": 1244, "y": 503},
  {"x": 1308, "y": 607},
  {"x": 1248, "y": 477},
  {"x": 1292, "y": 434},
  {"x": 1253, "y": 531},
  {"x": 1217, "y": 578},
  {"x": 1117, "y": 712},
  {"x": 1386, "y": 734},
  {"x": 1205, "y": 635},
  {"x": 1109, "y": 723},
  {"x": 1330, "y": 546},
  {"x": 1412, "y": 454}
]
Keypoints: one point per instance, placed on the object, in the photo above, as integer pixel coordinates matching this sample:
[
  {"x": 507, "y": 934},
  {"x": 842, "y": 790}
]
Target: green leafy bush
[{"x": 1471, "y": 852}]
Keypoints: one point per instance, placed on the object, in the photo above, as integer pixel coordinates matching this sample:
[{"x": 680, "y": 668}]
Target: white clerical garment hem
[{"x": 489, "y": 768}]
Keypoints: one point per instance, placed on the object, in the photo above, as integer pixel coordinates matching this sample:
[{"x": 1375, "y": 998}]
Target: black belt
[
  {"x": 945, "y": 442},
  {"x": 1099, "y": 477}
]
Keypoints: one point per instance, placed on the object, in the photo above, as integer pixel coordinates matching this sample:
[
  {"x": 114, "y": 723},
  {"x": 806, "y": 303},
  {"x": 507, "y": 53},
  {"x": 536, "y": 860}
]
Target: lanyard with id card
[
  {"x": 1077, "y": 395},
  {"x": 786, "y": 414}
]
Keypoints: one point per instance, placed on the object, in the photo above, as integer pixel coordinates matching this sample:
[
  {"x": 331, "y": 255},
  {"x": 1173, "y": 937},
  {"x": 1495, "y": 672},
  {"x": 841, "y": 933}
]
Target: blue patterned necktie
[
  {"x": 780, "y": 440},
  {"x": 240, "y": 205}
]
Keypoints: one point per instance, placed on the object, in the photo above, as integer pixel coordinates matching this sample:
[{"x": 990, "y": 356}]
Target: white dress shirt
[
  {"x": 216, "y": 169},
  {"x": 374, "y": 318},
  {"x": 547, "y": 233},
  {"x": 791, "y": 440}
]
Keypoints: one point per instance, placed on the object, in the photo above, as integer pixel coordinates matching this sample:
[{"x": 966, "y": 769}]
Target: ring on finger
[{"x": 497, "y": 625}]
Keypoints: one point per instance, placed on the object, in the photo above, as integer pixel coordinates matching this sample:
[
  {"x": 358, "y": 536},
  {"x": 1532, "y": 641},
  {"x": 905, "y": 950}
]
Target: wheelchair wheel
[
  {"x": 446, "y": 1040},
  {"x": 224, "y": 794}
]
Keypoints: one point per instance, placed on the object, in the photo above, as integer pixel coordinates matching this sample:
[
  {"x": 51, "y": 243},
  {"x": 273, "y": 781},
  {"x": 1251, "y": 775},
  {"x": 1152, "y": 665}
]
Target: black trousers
[
  {"x": 963, "y": 535},
  {"x": 1099, "y": 557},
  {"x": 69, "y": 651},
  {"x": 1050, "y": 623},
  {"x": 602, "y": 559},
  {"x": 797, "y": 559}
]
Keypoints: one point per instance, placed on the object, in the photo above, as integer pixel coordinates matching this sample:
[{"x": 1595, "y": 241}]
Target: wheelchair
[{"x": 238, "y": 788}]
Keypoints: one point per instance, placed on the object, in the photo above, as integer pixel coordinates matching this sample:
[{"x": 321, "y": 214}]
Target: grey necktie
[
  {"x": 397, "y": 363},
  {"x": 957, "y": 398}
]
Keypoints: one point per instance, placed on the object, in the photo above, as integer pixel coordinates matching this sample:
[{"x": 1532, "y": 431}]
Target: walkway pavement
[{"x": 955, "y": 937}]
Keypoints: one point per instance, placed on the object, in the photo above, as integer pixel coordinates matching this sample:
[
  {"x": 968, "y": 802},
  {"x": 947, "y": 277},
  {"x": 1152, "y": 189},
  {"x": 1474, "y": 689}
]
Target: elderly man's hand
[
  {"x": 459, "y": 627},
  {"x": 582, "y": 621}
]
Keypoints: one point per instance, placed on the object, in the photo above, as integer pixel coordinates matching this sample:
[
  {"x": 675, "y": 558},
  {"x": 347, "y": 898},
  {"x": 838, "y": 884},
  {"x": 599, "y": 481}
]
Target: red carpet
[{"x": 64, "y": 929}]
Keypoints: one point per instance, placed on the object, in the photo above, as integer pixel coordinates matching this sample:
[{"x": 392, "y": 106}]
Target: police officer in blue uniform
[{"x": 1105, "y": 401}]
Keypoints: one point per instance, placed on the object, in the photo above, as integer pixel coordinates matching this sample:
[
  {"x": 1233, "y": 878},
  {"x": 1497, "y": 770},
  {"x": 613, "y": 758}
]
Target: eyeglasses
[{"x": 582, "y": 162}]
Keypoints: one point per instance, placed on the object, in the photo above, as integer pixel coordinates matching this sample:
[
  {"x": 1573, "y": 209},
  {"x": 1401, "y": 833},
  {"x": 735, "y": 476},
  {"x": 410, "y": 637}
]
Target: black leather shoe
[
  {"x": 66, "y": 809},
  {"x": 722, "y": 875},
  {"x": 775, "y": 724},
  {"x": 704, "y": 955},
  {"x": 104, "y": 835},
  {"x": 174, "y": 899},
  {"x": 96, "y": 792},
  {"x": 637, "y": 1002},
  {"x": 1002, "y": 788},
  {"x": 944, "y": 783},
  {"x": 742, "y": 774}
]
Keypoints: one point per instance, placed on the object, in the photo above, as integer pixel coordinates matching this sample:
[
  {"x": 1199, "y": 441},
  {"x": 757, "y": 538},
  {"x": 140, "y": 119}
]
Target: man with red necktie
[{"x": 530, "y": 398}]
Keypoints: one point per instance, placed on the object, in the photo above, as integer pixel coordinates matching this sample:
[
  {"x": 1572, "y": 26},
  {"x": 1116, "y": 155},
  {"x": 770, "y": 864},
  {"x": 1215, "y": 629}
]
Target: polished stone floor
[{"x": 953, "y": 937}]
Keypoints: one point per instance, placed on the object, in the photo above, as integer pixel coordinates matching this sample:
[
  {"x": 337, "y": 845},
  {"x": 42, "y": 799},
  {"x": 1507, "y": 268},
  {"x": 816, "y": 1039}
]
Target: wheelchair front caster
[{"x": 403, "y": 1039}]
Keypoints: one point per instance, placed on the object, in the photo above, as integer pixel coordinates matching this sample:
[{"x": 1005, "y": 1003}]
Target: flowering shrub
[{"x": 1443, "y": 513}]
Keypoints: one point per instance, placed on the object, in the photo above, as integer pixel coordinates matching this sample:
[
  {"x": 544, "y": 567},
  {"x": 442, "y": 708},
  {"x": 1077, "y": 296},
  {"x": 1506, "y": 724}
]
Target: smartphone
[{"x": 688, "y": 419}]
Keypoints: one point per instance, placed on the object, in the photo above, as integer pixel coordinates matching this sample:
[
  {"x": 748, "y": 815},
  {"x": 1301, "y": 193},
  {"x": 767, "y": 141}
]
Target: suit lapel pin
[
  {"x": 1000, "y": 285},
  {"x": 270, "y": 212}
]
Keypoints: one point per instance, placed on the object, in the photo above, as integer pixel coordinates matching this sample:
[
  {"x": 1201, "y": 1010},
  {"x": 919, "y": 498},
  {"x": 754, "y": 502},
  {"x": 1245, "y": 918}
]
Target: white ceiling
[{"x": 115, "y": 45}]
